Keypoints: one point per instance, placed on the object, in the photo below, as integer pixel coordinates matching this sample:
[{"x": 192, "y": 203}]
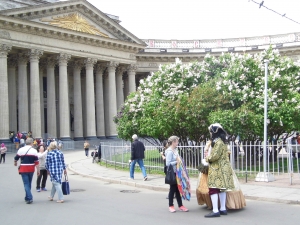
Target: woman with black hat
[{"x": 220, "y": 176}]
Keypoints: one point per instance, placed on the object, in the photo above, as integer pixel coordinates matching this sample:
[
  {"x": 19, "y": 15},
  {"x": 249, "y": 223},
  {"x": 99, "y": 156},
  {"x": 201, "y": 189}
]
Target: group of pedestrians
[{"x": 44, "y": 162}]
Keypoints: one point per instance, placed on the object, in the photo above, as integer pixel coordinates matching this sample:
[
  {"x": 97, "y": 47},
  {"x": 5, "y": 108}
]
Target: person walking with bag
[
  {"x": 43, "y": 172},
  {"x": 29, "y": 161},
  {"x": 172, "y": 158},
  {"x": 3, "y": 150},
  {"x": 55, "y": 165}
]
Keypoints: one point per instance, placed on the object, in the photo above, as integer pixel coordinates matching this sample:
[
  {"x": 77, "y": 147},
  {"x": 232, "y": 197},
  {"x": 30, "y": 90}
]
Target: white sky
[{"x": 202, "y": 19}]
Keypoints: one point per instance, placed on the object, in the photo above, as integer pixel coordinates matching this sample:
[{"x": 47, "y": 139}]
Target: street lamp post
[
  {"x": 265, "y": 176},
  {"x": 266, "y": 116}
]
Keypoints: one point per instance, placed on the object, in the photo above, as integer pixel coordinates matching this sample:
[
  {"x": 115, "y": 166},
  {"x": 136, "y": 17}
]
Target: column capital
[
  {"x": 112, "y": 64},
  {"x": 63, "y": 58},
  {"x": 51, "y": 61},
  {"x": 35, "y": 54},
  {"x": 4, "y": 49},
  {"x": 23, "y": 58},
  {"x": 100, "y": 67},
  {"x": 78, "y": 64},
  {"x": 12, "y": 60},
  {"x": 90, "y": 62},
  {"x": 132, "y": 68},
  {"x": 43, "y": 64},
  {"x": 120, "y": 70}
]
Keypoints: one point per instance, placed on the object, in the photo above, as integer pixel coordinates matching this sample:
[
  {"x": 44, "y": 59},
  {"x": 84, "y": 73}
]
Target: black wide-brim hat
[{"x": 215, "y": 127}]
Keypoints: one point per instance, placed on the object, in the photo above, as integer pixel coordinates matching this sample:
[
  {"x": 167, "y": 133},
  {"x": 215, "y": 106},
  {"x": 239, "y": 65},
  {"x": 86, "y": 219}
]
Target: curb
[
  {"x": 114, "y": 181},
  {"x": 166, "y": 189}
]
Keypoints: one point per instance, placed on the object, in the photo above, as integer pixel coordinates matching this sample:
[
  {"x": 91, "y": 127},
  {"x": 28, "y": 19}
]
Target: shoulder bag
[{"x": 170, "y": 176}]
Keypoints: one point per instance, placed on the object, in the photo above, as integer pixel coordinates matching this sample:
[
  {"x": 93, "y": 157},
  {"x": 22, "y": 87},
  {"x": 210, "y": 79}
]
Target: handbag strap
[
  {"x": 66, "y": 178},
  {"x": 25, "y": 154}
]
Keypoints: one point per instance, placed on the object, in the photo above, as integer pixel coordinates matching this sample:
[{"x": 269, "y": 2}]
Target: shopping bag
[
  {"x": 65, "y": 186},
  {"x": 170, "y": 176}
]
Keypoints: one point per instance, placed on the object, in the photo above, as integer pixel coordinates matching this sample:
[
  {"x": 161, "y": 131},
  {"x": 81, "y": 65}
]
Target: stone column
[
  {"x": 126, "y": 86},
  {"x": 131, "y": 77},
  {"x": 23, "y": 115},
  {"x": 4, "y": 106},
  {"x": 112, "y": 104},
  {"x": 99, "y": 101},
  {"x": 78, "y": 123},
  {"x": 90, "y": 99},
  {"x": 41, "y": 74},
  {"x": 64, "y": 108},
  {"x": 35, "y": 98},
  {"x": 106, "y": 102},
  {"x": 119, "y": 86},
  {"x": 12, "y": 93},
  {"x": 51, "y": 103}
]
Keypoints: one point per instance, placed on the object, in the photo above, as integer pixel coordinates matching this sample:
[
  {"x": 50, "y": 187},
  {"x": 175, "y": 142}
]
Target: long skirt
[{"x": 234, "y": 198}]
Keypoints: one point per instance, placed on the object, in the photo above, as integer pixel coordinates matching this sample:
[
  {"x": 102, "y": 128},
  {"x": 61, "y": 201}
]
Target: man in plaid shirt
[{"x": 55, "y": 165}]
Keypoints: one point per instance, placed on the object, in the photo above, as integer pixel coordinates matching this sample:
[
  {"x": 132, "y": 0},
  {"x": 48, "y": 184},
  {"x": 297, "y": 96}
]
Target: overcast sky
[{"x": 202, "y": 19}]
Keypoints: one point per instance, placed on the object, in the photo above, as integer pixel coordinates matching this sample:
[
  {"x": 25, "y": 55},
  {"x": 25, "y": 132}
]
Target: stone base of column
[
  {"x": 91, "y": 138},
  {"x": 78, "y": 138},
  {"x": 101, "y": 137},
  {"x": 6, "y": 141},
  {"x": 112, "y": 137},
  {"x": 65, "y": 139}
]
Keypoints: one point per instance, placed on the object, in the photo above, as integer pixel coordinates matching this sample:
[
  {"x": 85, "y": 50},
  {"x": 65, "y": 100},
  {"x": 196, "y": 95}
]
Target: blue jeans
[
  {"x": 56, "y": 187},
  {"x": 27, "y": 179},
  {"x": 141, "y": 164}
]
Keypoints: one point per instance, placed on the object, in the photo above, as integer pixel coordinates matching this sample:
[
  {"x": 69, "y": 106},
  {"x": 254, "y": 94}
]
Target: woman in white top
[{"x": 43, "y": 172}]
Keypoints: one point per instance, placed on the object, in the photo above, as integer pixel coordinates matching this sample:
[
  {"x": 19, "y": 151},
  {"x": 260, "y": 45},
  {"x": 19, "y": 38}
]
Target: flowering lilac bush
[{"x": 183, "y": 99}]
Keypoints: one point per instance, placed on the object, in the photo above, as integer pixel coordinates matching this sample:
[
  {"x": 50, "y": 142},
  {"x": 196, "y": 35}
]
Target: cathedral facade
[{"x": 66, "y": 67}]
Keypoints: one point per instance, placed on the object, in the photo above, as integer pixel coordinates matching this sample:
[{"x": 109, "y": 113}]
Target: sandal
[
  {"x": 50, "y": 199},
  {"x": 60, "y": 201}
]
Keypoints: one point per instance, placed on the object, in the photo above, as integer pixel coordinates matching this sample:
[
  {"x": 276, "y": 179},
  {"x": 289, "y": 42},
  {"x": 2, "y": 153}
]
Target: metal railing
[{"x": 246, "y": 158}]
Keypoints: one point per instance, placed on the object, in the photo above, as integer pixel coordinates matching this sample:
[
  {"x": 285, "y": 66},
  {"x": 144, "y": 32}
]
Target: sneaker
[
  {"x": 145, "y": 178},
  {"x": 44, "y": 189},
  {"x": 38, "y": 190},
  {"x": 130, "y": 178},
  {"x": 172, "y": 209},
  {"x": 29, "y": 202},
  {"x": 183, "y": 209}
]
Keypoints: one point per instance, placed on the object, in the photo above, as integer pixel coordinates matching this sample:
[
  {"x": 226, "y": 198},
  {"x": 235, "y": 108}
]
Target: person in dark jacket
[{"x": 137, "y": 156}]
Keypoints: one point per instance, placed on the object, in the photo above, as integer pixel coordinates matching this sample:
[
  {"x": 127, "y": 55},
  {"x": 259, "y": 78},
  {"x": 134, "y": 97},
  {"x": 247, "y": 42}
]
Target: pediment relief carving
[
  {"x": 74, "y": 21},
  {"x": 92, "y": 14}
]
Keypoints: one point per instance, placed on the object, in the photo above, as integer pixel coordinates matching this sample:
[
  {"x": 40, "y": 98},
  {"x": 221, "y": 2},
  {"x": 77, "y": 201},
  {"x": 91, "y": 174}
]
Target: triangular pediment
[{"x": 76, "y": 15}]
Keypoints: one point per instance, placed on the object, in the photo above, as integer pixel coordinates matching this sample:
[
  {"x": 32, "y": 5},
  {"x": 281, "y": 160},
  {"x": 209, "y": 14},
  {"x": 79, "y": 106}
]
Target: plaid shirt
[{"x": 55, "y": 164}]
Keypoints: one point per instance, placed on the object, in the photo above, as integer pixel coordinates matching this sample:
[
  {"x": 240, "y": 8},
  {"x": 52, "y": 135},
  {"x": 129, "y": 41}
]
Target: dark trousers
[
  {"x": 43, "y": 173},
  {"x": 2, "y": 157},
  {"x": 86, "y": 151},
  {"x": 174, "y": 189}
]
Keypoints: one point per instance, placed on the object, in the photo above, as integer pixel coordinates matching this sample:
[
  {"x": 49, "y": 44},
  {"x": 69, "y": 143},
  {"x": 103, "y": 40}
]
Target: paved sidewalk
[{"x": 278, "y": 191}]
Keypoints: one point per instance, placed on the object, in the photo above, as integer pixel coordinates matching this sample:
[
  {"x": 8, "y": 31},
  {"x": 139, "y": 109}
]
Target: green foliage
[{"x": 184, "y": 99}]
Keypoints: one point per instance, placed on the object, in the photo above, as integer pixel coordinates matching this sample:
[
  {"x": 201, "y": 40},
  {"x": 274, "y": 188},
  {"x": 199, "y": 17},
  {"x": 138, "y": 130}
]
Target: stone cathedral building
[{"x": 66, "y": 67}]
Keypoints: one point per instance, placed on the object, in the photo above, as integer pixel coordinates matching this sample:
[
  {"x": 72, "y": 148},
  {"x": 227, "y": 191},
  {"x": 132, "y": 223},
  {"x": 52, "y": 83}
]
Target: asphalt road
[{"x": 96, "y": 202}]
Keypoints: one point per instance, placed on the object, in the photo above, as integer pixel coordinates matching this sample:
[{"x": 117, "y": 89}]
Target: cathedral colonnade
[{"x": 60, "y": 96}]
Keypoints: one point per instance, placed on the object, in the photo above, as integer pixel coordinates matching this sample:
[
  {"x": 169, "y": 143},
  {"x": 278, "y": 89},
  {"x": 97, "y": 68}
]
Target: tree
[{"x": 183, "y": 99}]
